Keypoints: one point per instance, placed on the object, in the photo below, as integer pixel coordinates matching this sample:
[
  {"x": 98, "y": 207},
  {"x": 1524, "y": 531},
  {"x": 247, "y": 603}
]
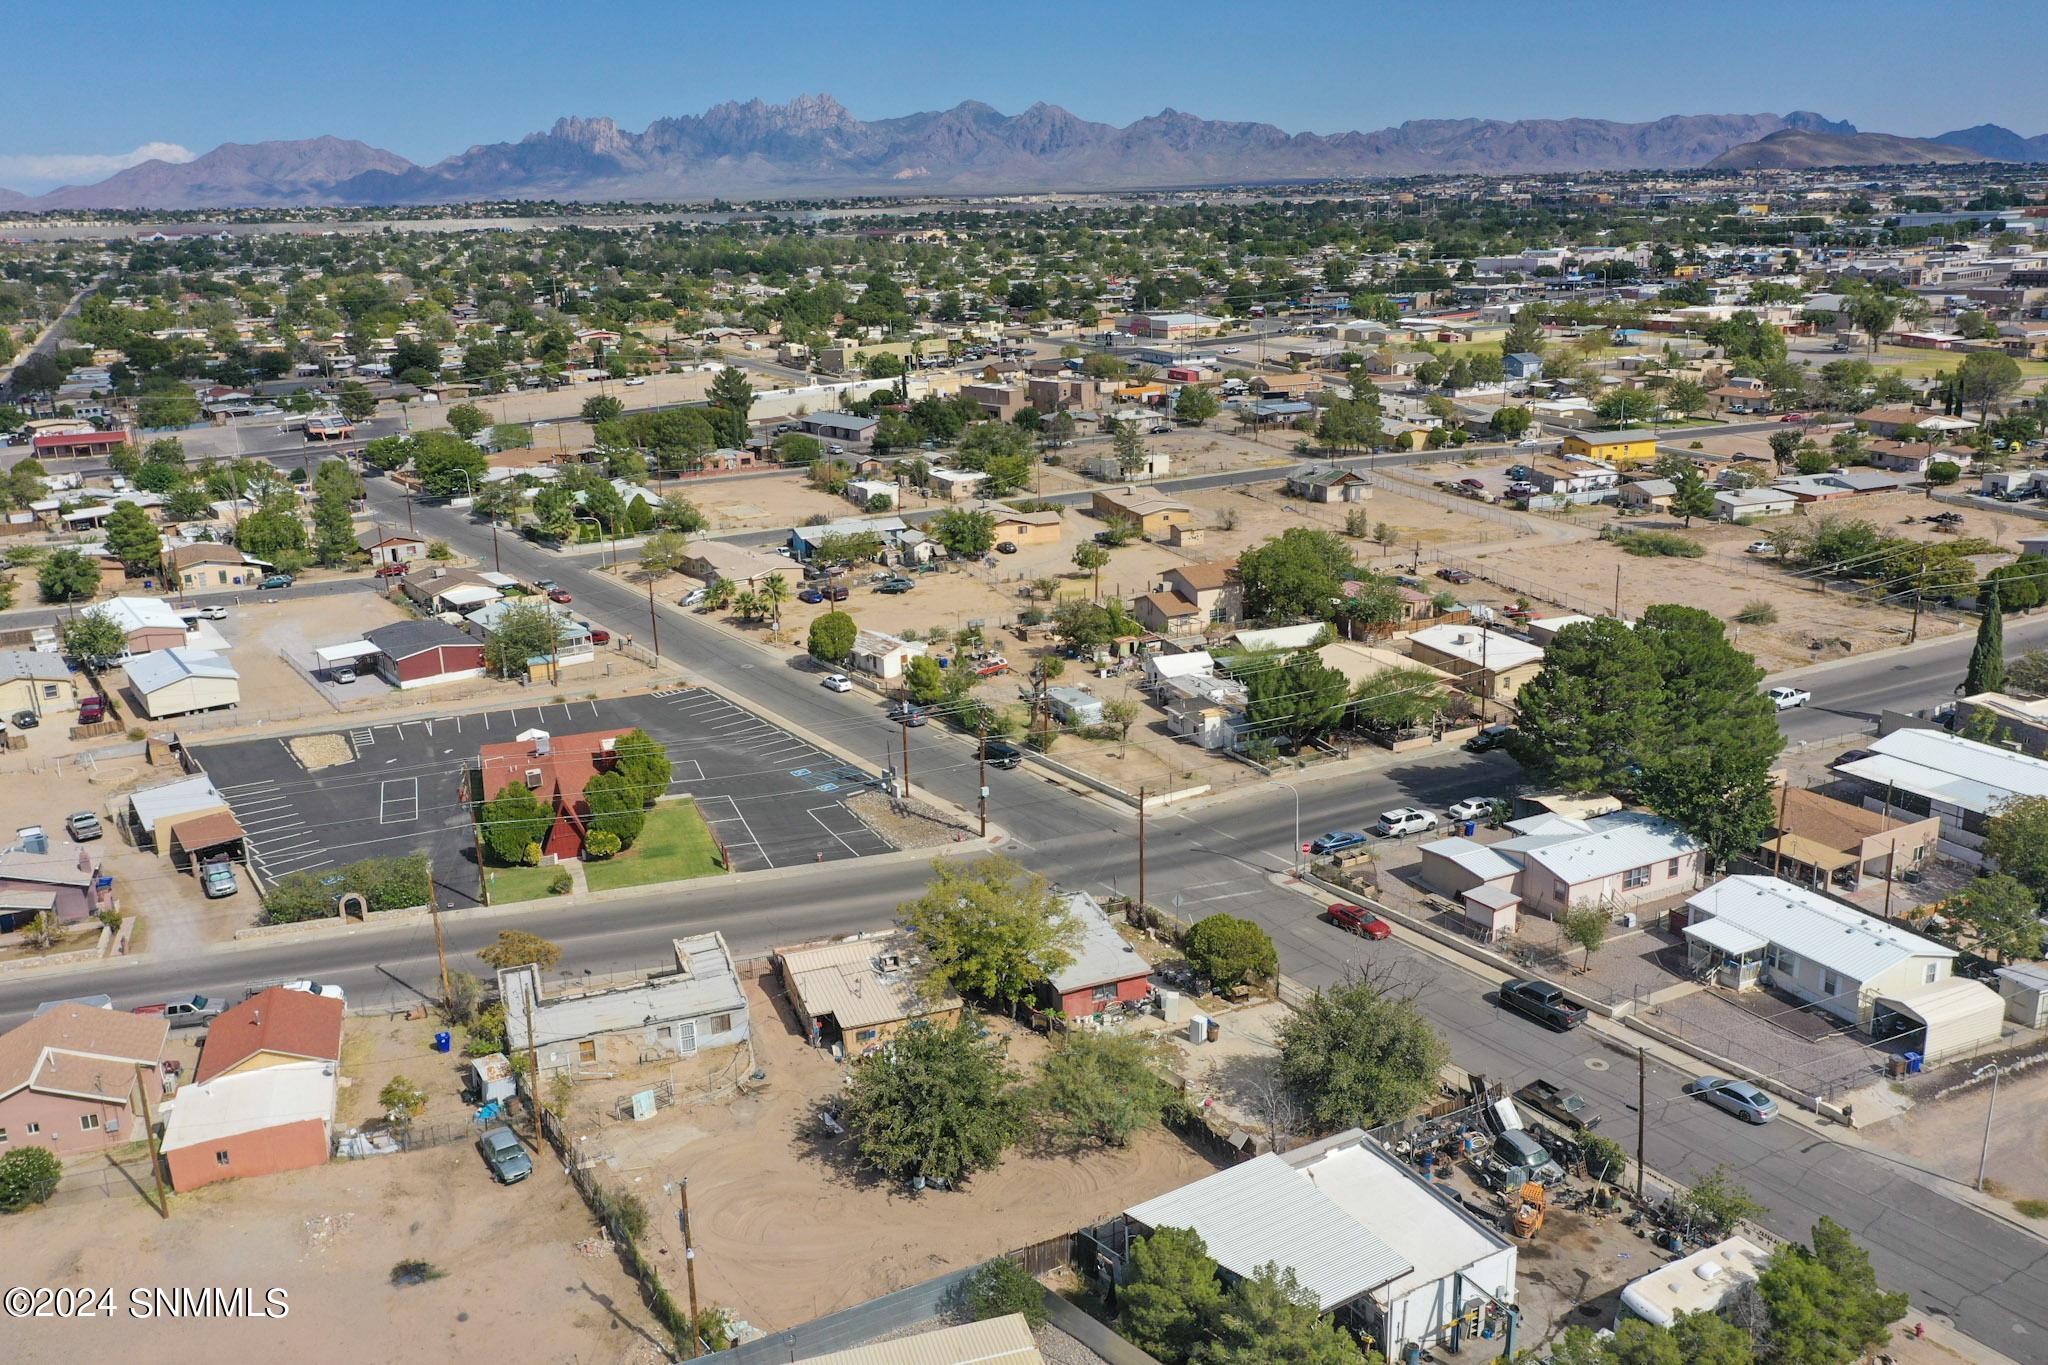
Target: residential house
[
  {"x": 838, "y": 426},
  {"x": 1485, "y": 662},
  {"x": 1621, "y": 448},
  {"x": 1191, "y": 597},
  {"x": 1165, "y": 613},
  {"x": 1329, "y": 484},
  {"x": 1816, "y": 839},
  {"x": 1203, "y": 708},
  {"x": 1106, "y": 971},
  {"x": 66, "y": 882},
  {"x": 882, "y": 656},
  {"x": 857, "y": 993},
  {"x": 555, "y": 769},
  {"x": 803, "y": 540},
  {"x": 1579, "y": 482},
  {"x": 998, "y": 401},
  {"x": 179, "y": 682},
  {"x": 154, "y": 810},
  {"x": 438, "y": 588},
  {"x": 413, "y": 654},
  {"x": 1836, "y": 485},
  {"x": 574, "y": 645},
  {"x": 1194, "y": 663},
  {"x": 148, "y": 623},
  {"x": 250, "y": 1123},
  {"x": 1381, "y": 1249},
  {"x": 207, "y": 564},
  {"x": 1647, "y": 495},
  {"x": 1291, "y": 387},
  {"x": 1913, "y": 774},
  {"x": 74, "y": 1079},
  {"x": 1154, "y": 463},
  {"x": 955, "y": 484},
  {"x": 1007, "y": 1340},
  {"x": 1890, "y": 421},
  {"x": 1279, "y": 411},
  {"x": 1277, "y": 638},
  {"x": 1614, "y": 861},
  {"x": 1073, "y": 706},
  {"x": 1023, "y": 528},
  {"x": 1916, "y": 457},
  {"x": 1742, "y": 396},
  {"x": 273, "y": 1027},
  {"x": 1524, "y": 366},
  {"x": 1155, "y": 514},
  {"x": 39, "y": 683},
  {"x": 1869, "y": 973},
  {"x": 1739, "y": 504},
  {"x": 868, "y": 494},
  {"x": 716, "y": 560},
  {"x": 391, "y": 547},
  {"x": 2007, "y": 721},
  {"x": 676, "y": 1012}
]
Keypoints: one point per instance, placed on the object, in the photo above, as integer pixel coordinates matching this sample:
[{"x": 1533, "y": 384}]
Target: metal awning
[
  {"x": 1809, "y": 851},
  {"x": 338, "y": 654},
  {"x": 1729, "y": 937}
]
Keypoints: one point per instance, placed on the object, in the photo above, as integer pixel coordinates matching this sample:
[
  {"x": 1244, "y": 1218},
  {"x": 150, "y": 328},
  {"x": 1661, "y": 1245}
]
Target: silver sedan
[{"x": 1739, "y": 1098}]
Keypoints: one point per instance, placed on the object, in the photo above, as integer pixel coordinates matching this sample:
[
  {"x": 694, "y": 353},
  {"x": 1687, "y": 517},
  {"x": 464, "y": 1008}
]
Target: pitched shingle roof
[
  {"x": 294, "y": 1023},
  {"x": 81, "y": 1049}
]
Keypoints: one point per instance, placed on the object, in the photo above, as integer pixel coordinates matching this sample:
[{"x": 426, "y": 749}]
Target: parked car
[
  {"x": 1336, "y": 842},
  {"x": 187, "y": 1011},
  {"x": 1760, "y": 547},
  {"x": 694, "y": 597},
  {"x": 217, "y": 880},
  {"x": 1517, "y": 1150},
  {"x": 1475, "y": 485},
  {"x": 1489, "y": 737},
  {"x": 508, "y": 1160},
  {"x": 837, "y": 682},
  {"x": 895, "y": 585},
  {"x": 560, "y": 596},
  {"x": 1404, "y": 820},
  {"x": 321, "y": 989},
  {"x": 1543, "y": 1002},
  {"x": 26, "y": 720},
  {"x": 1739, "y": 1098},
  {"x": 1000, "y": 753},
  {"x": 635, "y": 382},
  {"x": 212, "y": 612},
  {"x": 989, "y": 668},
  {"x": 1785, "y": 698},
  {"x": 1567, "y": 1108},
  {"x": 342, "y": 674},
  {"x": 271, "y": 582},
  {"x": 1353, "y": 920},
  {"x": 92, "y": 710},
  {"x": 1450, "y": 575},
  {"x": 598, "y": 634},
  {"x": 1471, "y": 808},
  {"x": 391, "y": 571},
  {"x": 903, "y": 713},
  {"x": 830, "y": 592},
  {"x": 83, "y": 826},
  {"x": 1006, "y": 547}
]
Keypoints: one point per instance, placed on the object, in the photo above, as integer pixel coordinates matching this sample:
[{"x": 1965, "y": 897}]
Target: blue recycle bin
[
  {"x": 443, "y": 1041},
  {"x": 1913, "y": 1061}
]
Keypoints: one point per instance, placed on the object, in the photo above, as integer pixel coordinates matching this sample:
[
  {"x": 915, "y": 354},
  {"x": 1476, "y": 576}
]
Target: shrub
[
  {"x": 1230, "y": 951},
  {"x": 28, "y": 1175},
  {"x": 1000, "y": 1287},
  {"x": 1757, "y": 613},
  {"x": 1654, "y": 544},
  {"x": 401, "y": 1098},
  {"x": 414, "y": 1271},
  {"x": 601, "y": 844},
  {"x": 561, "y": 884}
]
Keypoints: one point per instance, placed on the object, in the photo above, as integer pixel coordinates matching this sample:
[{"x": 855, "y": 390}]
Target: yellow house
[{"x": 1619, "y": 448}]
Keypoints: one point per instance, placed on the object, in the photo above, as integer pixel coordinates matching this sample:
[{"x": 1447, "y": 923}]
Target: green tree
[
  {"x": 92, "y": 639},
  {"x": 273, "y": 532},
  {"x": 1349, "y": 425},
  {"x": 132, "y": 538},
  {"x": 1001, "y": 1287},
  {"x": 402, "y": 1098},
  {"x": 965, "y": 534},
  {"x": 28, "y": 1176},
  {"x": 1594, "y": 711},
  {"x": 1292, "y": 703},
  {"x": 1511, "y": 423},
  {"x": 1294, "y": 574},
  {"x": 1170, "y": 1294},
  {"x": 1710, "y": 1339},
  {"x": 1585, "y": 926},
  {"x": 1098, "y": 1089},
  {"x": 1625, "y": 405},
  {"x": 524, "y": 632},
  {"x": 2003, "y": 912},
  {"x": 1271, "y": 1319},
  {"x": 639, "y": 758},
  {"x": 938, "y": 1102},
  {"x": 511, "y": 436},
  {"x": 1395, "y": 701},
  {"x": 517, "y": 948},
  {"x": 831, "y": 638},
  {"x": 991, "y": 931},
  {"x": 1195, "y": 404},
  {"x": 1722, "y": 798},
  {"x": 1986, "y": 379},
  {"x": 925, "y": 681},
  {"x": 1986, "y": 671},
  {"x": 512, "y": 820},
  {"x": 617, "y": 807},
  {"x": 1229, "y": 951},
  {"x": 1690, "y": 496},
  {"x": 1357, "y": 1056},
  {"x": 67, "y": 576},
  {"x": 356, "y": 401},
  {"x": 2016, "y": 841},
  {"x": 1824, "y": 1302},
  {"x": 1685, "y": 396},
  {"x": 1715, "y": 1204},
  {"x": 446, "y": 466},
  {"x": 601, "y": 408},
  {"x": 159, "y": 410},
  {"x": 467, "y": 419}
]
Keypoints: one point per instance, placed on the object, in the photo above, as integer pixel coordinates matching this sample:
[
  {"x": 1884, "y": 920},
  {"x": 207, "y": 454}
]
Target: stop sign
[{"x": 1304, "y": 848}]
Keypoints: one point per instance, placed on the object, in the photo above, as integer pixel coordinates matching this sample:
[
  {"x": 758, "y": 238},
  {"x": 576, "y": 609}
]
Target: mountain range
[
  {"x": 812, "y": 146},
  {"x": 1806, "y": 149}
]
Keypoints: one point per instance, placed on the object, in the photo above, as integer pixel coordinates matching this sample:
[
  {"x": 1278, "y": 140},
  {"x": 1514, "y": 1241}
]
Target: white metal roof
[
  {"x": 1957, "y": 1011},
  {"x": 1265, "y": 1210},
  {"x": 248, "y": 1102},
  {"x": 1850, "y": 942},
  {"x": 354, "y": 649},
  {"x": 153, "y": 672},
  {"x": 1479, "y": 647},
  {"x": 142, "y": 613},
  {"x": 1101, "y": 955},
  {"x": 1950, "y": 769},
  {"x": 998, "y": 1341},
  {"x": 1417, "y": 1224},
  {"x": 1475, "y": 858},
  {"x": 1726, "y": 935},
  {"x": 174, "y": 798},
  {"x": 1611, "y": 844}
]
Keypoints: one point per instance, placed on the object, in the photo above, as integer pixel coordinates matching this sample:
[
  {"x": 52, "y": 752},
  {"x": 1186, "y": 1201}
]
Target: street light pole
[
  {"x": 1294, "y": 858},
  {"x": 1984, "y": 1155}
]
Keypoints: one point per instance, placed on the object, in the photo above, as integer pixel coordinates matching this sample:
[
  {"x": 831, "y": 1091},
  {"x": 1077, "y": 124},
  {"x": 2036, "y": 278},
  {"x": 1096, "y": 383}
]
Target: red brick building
[{"x": 554, "y": 768}]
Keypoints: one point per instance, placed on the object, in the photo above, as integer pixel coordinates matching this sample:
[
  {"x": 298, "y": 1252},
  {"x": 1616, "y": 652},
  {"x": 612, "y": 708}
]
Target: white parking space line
[
  {"x": 398, "y": 801},
  {"x": 695, "y": 773},
  {"x": 826, "y": 826}
]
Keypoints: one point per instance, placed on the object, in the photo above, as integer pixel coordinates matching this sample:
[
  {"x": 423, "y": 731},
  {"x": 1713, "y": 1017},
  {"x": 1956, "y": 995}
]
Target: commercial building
[
  {"x": 413, "y": 654},
  {"x": 555, "y": 770},
  {"x": 1380, "y": 1248},
  {"x": 676, "y": 1012},
  {"x": 1616, "y": 447}
]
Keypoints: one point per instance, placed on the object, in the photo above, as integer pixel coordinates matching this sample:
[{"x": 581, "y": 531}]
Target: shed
[
  {"x": 1951, "y": 1016},
  {"x": 178, "y": 682},
  {"x": 1455, "y": 866},
  {"x": 2025, "y": 990}
]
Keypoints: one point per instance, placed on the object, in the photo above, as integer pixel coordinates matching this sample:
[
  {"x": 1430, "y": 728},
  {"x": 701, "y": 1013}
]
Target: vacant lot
[
  {"x": 788, "y": 1228},
  {"x": 1948, "y": 1136}
]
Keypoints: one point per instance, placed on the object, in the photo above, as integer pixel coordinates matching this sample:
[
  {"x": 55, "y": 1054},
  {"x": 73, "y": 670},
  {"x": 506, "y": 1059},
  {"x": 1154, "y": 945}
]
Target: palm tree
[
  {"x": 748, "y": 604},
  {"x": 721, "y": 595},
  {"x": 773, "y": 593}
]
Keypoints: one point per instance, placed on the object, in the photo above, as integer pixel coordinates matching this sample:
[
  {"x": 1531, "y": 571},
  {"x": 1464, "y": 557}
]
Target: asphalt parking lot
[{"x": 771, "y": 798}]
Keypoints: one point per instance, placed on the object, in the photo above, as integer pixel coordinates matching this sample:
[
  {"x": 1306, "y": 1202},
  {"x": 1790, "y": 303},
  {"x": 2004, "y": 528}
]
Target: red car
[
  {"x": 560, "y": 595},
  {"x": 1353, "y": 920},
  {"x": 1793, "y": 417},
  {"x": 390, "y": 570},
  {"x": 598, "y": 634}
]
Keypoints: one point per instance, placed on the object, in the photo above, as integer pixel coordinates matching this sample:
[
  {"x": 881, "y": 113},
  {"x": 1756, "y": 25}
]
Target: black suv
[
  {"x": 1543, "y": 1002},
  {"x": 1000, "y": 753}
]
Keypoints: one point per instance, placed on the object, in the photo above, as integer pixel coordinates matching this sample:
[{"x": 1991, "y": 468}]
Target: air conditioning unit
[{"x": 533, "y": 776}]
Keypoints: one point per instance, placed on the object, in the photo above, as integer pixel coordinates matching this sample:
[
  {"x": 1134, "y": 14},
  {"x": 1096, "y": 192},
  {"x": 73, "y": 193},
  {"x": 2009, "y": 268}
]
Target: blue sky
[{"x": 429, "y": 78}]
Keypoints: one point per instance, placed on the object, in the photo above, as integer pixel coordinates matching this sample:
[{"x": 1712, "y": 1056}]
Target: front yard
[{"x": 675, "y": 846}]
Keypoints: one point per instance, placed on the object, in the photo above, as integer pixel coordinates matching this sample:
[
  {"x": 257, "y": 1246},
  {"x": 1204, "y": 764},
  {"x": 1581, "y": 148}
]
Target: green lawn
[
  {"x": 508, "y": 884},
  {"x": 675, "y": 846},
  {"x": 1914, "y": 363}
]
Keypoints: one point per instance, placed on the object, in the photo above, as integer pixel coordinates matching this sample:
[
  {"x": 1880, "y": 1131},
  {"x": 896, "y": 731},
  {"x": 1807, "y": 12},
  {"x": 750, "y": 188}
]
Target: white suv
[{"x": 1404, "y": 820}]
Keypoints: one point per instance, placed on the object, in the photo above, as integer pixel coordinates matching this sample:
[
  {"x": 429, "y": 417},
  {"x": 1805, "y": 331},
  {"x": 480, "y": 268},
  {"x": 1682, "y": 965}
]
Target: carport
[
  {"x": 1806, "y": 861},
  {"x": 331, "y": 657},
  {"x": 204, "y": 838},
  {"x": 1950, "y": 1016}
]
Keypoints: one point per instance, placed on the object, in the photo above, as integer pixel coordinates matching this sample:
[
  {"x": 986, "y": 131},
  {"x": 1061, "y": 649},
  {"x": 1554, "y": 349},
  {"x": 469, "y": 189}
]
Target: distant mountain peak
[{"x": 1805, "y": 149}]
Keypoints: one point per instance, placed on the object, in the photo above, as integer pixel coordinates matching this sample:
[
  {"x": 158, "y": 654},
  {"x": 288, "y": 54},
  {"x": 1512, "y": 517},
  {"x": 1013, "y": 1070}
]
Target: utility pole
[
  {"x": 144, "y": 1073},
  {"x": 1617, "y": 592},
  {"x": 905, "y": 728},
  {"x": 689, "y": 1263},
  {"x": 408, "y": 512},
  {"x": 532, "y": 1053},
  {"x": 440, "y": 950},
  {"x": 1141, "y": 848},
  {"x": 1778, "y": 844},
  {"x": 653, "y": 619},
  {"x": 981, "y": 753},
  {"x": 496, "y": 563},
  {"x": 1642, "y": 1115}
]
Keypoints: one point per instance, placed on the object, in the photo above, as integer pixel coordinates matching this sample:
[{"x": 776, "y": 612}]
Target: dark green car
[{"x": 896, "y": 585}]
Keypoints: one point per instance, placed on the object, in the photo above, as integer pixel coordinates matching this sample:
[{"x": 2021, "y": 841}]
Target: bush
[
  {"x": 383, "y": 883},
  {"x": 561, "y": 884},
  {"x": 624, "y": 1210},
  {"x": 1230, "y": 951},
  {"x": 401, "y": 1098},
  {"x": 1758, "y": 613},
  {"x": 1000, "y": 1287},
  {"x": 601, "y": 844},
  {"x": 28, "y": 1175},
  {"x": 1654, "y": 544}
]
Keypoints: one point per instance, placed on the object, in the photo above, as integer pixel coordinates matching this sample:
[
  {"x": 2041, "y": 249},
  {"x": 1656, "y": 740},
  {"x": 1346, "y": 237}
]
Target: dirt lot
[
  {"x": 1948, "y": 1136},
  {"x": 788, "y": 1229},
  {"x": 509, "y": 1259}
]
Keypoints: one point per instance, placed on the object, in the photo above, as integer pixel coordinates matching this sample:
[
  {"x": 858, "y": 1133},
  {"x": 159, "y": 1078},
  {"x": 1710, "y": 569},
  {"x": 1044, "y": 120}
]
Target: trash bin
[
  {"x": 1913, "y": 1060},
  {"x": 1470, "y": 827},
  {"x": 443, "y": 1041},
  {"x": 1895, "y": 1067}
]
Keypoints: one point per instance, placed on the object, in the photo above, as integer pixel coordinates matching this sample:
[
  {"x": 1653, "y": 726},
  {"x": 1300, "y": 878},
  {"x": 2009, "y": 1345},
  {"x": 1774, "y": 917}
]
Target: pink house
[
  {"x": 72, "y": 1077},
  {"x": 1554, "y": 863}
]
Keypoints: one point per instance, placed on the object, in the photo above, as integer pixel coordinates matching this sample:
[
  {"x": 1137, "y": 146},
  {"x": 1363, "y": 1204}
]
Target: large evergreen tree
[
  {"x": 1596, "y": 709},
  {"x": 1986, "y": 672}
]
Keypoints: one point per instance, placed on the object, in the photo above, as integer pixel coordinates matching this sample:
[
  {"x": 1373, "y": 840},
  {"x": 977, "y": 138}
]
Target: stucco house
[
  {"x": 675, "y": 1012},
  {"x": 1554, "y": 863},
  {"x": 857, "y": 993},
  {"x": 73, "y": 1079}
]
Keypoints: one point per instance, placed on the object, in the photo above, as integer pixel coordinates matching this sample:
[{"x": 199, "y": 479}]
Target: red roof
[
  {"x": 571, "y": 761},
  {"x": 295, "y": 1023},
  {"x": 87, "y": 438}
]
